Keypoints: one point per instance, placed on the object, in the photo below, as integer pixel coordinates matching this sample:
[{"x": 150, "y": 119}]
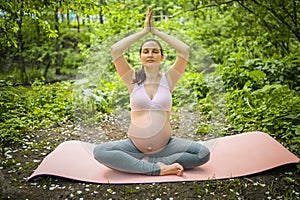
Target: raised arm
[
  {"x": 177, "y": 69},
  {"x": 117, "y": 50}
]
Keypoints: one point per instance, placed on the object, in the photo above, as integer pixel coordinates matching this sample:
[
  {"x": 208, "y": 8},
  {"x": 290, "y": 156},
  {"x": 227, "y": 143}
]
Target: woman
[{"x": 150, "y": 149}]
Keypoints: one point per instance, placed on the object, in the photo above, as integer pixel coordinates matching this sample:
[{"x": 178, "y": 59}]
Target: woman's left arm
[{"x": 183, "y": 50}]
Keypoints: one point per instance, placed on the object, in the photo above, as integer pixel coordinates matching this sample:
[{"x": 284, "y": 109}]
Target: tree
[
  {"x": 279, "y": 18},
  {"x": 15, "y": 13}
]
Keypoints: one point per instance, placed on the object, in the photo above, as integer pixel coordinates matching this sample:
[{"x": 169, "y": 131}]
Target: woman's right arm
[
  {"x": 117, "y": 50},
  {"x": 121, "y": 64}
]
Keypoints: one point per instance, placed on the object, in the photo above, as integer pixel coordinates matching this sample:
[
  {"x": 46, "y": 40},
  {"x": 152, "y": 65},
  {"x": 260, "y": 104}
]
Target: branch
[
  {"x": 202, "y": 7},
  {"x": 265, "y": 23},
  {"x": 295, "y": 13},
  {"x": 213, "y": 5},
  {"x": 251, "y": 11},
  {"x": 280, "y": 18},
  {"x": 292, "y": 14}
]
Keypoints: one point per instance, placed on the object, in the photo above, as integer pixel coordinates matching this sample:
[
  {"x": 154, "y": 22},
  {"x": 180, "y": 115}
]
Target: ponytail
[{"x": 140, "y": 76}]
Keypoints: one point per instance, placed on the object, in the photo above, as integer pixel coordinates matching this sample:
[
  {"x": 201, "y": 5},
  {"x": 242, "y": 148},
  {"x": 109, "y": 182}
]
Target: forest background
[{"x": 250, "y": 47}]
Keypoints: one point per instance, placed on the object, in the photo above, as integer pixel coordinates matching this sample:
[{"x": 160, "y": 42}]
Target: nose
[{"x": 150, "y": 54}]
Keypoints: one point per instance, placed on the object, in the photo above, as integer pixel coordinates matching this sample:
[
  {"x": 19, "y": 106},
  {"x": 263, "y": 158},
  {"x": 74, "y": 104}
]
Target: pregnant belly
[
  {"x": 150, "y": 131},
  {"x": 152, "y": 144}
]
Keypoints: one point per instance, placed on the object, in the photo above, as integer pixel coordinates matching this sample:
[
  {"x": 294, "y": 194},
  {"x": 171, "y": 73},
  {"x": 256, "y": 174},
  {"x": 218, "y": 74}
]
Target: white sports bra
[{"x": 162, "y": 100}]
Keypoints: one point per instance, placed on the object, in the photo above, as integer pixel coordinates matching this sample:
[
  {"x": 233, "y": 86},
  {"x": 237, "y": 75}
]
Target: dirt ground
[{"x": 18, "y": 163}]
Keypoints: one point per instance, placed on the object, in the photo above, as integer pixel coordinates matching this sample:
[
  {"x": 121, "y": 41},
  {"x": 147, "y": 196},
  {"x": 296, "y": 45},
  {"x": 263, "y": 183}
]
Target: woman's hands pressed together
[{"x": 148, "y": 24}]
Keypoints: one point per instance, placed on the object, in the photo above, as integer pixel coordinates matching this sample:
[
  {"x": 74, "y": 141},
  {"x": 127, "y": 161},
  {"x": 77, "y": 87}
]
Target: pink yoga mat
[{"x": 231, "y": 156}]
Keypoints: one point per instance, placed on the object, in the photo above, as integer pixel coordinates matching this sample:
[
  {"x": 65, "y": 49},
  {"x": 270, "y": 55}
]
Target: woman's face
[{"x": 151, "y": 55}]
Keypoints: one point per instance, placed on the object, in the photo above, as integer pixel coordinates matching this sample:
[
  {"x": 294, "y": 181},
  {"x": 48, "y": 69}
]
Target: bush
[
  {"x": 264, "y": 95},
  {"x": 25, "y": 109},
  {"x": 190, "y": 90},
  {"x": 273, "y": 109},
  {"x": 237, "y": 72}
]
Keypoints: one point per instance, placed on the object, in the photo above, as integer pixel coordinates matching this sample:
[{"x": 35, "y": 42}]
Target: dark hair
[{"x": 140, "y": 75}]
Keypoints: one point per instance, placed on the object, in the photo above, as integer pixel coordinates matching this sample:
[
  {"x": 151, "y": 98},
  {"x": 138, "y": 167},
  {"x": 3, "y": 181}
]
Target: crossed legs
[{"x": 179, "y": 154}]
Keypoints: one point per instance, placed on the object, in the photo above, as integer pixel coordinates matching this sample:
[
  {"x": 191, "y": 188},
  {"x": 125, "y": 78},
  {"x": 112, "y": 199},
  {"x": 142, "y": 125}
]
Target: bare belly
[{"x": 150, "y": 131}]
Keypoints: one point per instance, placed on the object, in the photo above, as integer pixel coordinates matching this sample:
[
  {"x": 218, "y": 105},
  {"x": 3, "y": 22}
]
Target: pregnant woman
[{"x": 150, "y": 147}]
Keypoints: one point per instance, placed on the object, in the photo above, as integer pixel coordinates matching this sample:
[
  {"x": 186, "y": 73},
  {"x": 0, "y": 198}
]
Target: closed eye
[{"x": 145, "y": 51}]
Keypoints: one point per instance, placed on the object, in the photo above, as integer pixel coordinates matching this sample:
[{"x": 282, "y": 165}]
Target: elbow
[
  {"x": 185, "y": 52},
  {"x": 115, "y": 51},
  {"x": 113, "y": 48}
]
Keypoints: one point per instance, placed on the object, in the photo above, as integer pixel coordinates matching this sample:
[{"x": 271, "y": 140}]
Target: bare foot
[{"x": 175, "y": 169}]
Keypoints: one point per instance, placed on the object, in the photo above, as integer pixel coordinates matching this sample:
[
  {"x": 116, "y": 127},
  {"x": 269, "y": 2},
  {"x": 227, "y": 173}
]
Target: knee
[
  {"x": 204, "y": 155},
  {"x": 98, "y": 152}
]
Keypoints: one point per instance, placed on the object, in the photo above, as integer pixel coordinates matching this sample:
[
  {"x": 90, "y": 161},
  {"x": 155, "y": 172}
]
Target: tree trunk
[
  {"x": 101, "y": 14},
  {"x": 48, "y": 61},
  {"x": 78, "y": 23},
  {"x": 68, "y": 17},
  {"x": 21, "y": 46},
  {"x": 38, "y": 32},
  {"x": 57, "y": 44}
]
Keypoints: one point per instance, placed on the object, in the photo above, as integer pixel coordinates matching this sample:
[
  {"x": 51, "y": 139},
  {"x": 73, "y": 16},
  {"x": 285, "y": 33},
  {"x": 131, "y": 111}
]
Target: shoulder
[{"x": 172, "y": 77}]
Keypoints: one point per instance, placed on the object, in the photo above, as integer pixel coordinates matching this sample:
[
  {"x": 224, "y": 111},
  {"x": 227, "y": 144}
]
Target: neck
[{"x": 152, "y": 75}]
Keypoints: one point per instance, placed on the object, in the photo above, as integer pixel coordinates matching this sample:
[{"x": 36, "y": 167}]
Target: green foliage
[
  {"x": 26, "y": 109},
  {"x": 276, "y": 21},
  {"x": 115, "y": 93},
  {"x": 263, "y": 95},
  {"x": 237, "y": 72},
  {"x": 93, "y": 96},
  {"x": 273, "y": 109},
  {"x": 51, "y": 104},
  {"x": 131, "y": 190},
  {"x": 13, "y": 111},
  {"x": 190, "y": 90}
]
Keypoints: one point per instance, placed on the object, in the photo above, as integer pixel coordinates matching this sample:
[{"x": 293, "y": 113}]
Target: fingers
[
  {"x": 148, "y": 25},
  {"x": 150, "y": 20},
  {"x": 147, "y": 20},
  {"x": 149, "y": 11}
]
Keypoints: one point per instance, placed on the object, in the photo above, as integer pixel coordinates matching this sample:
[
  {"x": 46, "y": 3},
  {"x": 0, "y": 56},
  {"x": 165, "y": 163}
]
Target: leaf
[
  {"x": 257, "y": 75},
  {"x": 288, "y": 179},
  {"x": 297, "y": 132},
  {"x": 265, "y": 89}
]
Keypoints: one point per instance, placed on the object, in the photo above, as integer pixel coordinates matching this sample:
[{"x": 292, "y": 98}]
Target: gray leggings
[{"x": 122, "y": 155}]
